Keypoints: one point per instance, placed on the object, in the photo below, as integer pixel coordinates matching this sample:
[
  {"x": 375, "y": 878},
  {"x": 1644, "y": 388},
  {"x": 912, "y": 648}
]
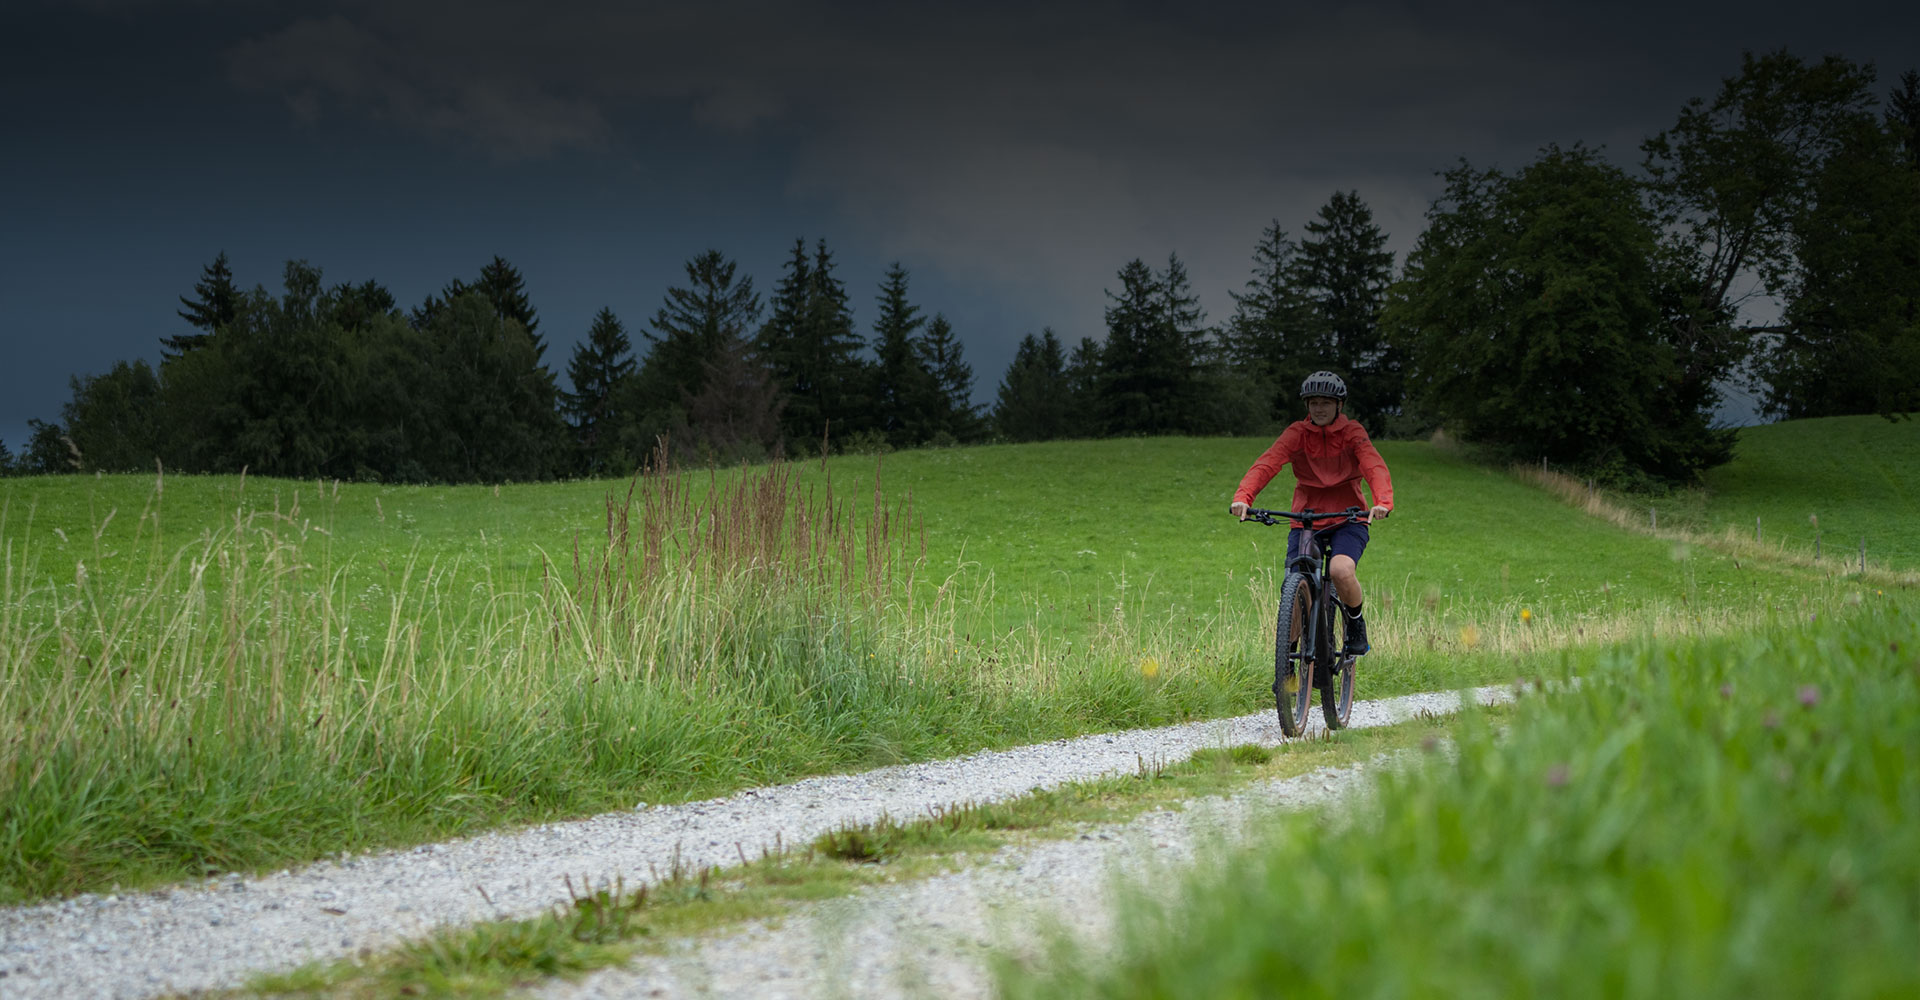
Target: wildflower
[
  {"x": 1149, "y": 667},
  {"x": 1469, "y": 636},
  {"x": 1809, "y": 695},
  {"x": 1557, "y": 776},
  {"x": 1526, "y": 615},
  {"x": 1726, "y": 690}
]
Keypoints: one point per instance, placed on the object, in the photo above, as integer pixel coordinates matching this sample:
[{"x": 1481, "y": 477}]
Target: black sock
[{"x": 1353, "y": 611}]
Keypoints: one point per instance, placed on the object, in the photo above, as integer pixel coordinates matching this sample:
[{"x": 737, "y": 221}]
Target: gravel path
[
  {"x": 933, "y": 937},
  {"x": 216, "y": 933}
]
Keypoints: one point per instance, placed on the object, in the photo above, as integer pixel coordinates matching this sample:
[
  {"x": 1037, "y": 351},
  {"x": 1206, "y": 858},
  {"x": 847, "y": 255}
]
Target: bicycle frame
[
  {"x": 1313, "y": 562},
  {"x": 1314, "y": 657}
]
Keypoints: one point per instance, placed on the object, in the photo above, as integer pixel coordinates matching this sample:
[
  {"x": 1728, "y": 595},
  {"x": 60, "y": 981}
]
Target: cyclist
[{"x": 1330, "y": 454}]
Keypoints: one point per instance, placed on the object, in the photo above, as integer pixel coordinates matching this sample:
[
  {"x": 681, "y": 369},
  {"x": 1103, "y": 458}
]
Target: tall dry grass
[{"x": 247, "y": 701}]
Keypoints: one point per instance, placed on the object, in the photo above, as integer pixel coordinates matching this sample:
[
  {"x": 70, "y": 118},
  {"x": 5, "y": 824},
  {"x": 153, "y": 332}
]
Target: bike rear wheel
[{"x": 1293, "y": 678}]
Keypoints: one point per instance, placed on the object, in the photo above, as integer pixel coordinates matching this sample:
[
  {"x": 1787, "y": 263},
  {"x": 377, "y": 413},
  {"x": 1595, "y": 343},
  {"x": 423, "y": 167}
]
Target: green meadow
[
  {"x": 209, "y": 674},
  {"x": 1850, "y": 479},
  {"x": 1726, "y": 817}
]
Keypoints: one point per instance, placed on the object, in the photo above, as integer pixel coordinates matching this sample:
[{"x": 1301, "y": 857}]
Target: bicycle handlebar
[{"x": 1353, "y": 515}]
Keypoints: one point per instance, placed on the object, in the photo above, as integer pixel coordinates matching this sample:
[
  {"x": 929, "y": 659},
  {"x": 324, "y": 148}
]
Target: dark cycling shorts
[{"x": 1348, "y": 540}]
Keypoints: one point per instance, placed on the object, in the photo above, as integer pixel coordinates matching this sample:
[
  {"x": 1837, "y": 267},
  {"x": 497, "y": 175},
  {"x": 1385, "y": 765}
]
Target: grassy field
[
  {"x": 1858, "y": 476},
  {"x": 1736, "y": 817},
  {"x": 203, "y": 674}
]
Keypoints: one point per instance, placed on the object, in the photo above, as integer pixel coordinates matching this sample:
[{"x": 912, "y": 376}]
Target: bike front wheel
[{"x": 1293, "y": 673}]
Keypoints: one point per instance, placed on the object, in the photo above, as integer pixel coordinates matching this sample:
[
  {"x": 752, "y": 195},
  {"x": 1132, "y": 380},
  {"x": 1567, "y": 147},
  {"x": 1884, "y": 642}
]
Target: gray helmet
[{"x": 1323, "y": 384}]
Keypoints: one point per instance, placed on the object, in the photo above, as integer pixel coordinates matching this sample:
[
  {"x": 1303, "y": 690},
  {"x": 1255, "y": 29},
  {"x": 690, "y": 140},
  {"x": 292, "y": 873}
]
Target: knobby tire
[{"x": 1293, "y": 686}]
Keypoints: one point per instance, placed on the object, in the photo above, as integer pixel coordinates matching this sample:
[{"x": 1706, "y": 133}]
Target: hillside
[{"x": 1859, "y": 475}]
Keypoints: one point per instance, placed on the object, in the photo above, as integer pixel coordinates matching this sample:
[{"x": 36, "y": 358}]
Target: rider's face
[{"x": 1322, "y": 409}]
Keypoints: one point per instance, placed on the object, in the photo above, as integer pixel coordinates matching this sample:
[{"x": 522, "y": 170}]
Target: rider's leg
[
  {"x": 1346, "y": 580},
  {"x": 1349, "y": 542}
]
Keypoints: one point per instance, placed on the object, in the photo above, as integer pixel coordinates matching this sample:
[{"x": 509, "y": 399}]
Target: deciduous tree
[
  {"x": 1729, "y": 183},
  {"x": 1531, "y": 313}
]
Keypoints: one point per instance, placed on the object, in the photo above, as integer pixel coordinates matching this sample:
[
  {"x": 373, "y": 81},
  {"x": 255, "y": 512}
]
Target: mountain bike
[{"x": 1307, "y": 656}]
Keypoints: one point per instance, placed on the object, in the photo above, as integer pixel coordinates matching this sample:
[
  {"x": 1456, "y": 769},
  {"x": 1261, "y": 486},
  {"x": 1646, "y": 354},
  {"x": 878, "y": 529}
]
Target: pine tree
[
  {"x": 213, "y": 309},
  {"x": 598, "y": 366},
  {"x": 908, "y": 404},
  {"x": 1083, "y": 374},
  {"x": 941, "y": 354}
]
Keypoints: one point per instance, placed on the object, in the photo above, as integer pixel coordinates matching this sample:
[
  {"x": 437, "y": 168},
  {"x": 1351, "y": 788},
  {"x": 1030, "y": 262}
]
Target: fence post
[
  {"x": 1863, "y": 553},
  {"x": 1756, "y": 528},
  {"x": 1653, "y": 517}
]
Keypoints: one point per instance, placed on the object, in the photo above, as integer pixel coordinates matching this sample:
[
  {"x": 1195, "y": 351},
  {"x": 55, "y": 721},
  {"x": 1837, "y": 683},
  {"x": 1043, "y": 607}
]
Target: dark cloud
[
  {"x": 1036, "y": 147},
  {"x": 1014, "y": 155}
]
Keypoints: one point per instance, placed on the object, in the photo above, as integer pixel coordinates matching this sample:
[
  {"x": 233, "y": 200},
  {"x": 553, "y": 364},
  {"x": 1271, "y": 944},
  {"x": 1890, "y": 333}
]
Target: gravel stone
[{"x": 215, "y": 933}]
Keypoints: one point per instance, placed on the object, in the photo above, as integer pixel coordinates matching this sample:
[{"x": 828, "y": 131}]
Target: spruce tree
[
  {"x": 736, "y": 414},
  {"x": 780, "y": 347},
  {"x": 1153, "y": 366},
  {"x": 1343, "y": 269},
  {"x": 502, "y": 285},
  {"x": 598, "y": 367},
  {"x": 6, "y": 459},
  {"x": 1032, "y": 403},
  {"x": 908, "y": 406},
  {"x": 694, "y": 324},
  {"x": 942, "y": 355},
  {"x": 209, "y": 311},
  {"x": 810, "y": 346},
  {"x": 1267, "y": 338},
  {"x": 1083, "y": 374}
]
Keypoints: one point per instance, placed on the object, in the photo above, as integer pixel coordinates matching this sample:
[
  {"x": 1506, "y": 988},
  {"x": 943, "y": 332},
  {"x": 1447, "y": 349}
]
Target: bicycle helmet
[{"x": 1323, "y": 383}]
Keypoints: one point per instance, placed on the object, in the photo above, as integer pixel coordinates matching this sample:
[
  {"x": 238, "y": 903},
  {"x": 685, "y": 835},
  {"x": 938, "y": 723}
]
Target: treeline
[{"x": 1566, "y": 310}]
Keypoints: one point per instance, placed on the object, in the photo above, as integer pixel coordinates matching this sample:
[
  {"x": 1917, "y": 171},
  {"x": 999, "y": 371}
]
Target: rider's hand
[
  {"x": 1379, "y": 513},
  {"x": 1239, "y": 510}
]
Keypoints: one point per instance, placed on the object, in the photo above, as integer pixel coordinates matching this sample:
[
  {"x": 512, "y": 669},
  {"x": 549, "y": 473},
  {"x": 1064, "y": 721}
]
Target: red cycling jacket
[{"x": 1328, "y": 464}]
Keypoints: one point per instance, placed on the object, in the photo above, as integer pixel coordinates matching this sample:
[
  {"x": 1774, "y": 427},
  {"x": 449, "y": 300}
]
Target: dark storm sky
[{"x": 1013, "y": 157}]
